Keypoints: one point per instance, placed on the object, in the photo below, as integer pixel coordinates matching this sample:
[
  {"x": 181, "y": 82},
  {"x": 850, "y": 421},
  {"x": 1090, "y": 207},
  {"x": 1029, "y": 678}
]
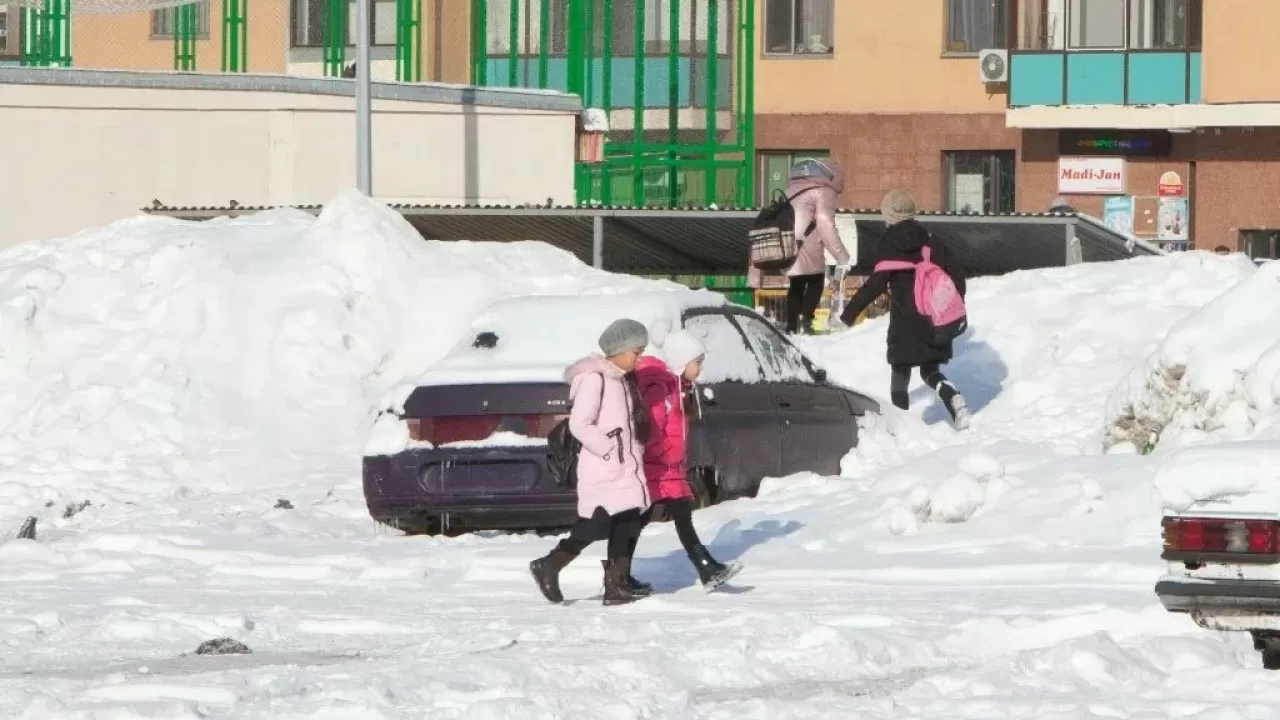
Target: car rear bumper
[{"x": 1220, "y": 596}]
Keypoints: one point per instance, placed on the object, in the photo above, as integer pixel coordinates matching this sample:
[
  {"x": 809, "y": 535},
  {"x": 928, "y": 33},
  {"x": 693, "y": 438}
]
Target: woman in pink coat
[
  {"x": 607, "y": 417},
  {"x": 814, "y": 188},
  {"x": 663, "y": 386}
]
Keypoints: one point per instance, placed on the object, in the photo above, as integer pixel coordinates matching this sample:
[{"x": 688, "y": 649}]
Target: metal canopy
[{"x": 699, "y": 241}]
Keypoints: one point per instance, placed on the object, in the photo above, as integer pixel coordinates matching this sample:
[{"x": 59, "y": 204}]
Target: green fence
[{"x": 674, "y": 76}]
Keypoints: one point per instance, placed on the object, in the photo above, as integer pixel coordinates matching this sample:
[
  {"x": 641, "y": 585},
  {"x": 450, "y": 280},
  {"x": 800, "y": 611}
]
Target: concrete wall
[
  {"x": 89, "y": 147},
  {"x": 1239, "y": 51}
]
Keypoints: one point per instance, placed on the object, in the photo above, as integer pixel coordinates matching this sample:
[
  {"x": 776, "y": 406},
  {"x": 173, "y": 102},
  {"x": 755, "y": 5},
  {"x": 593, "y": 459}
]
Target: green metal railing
[
  {"x": 572, "y": 45},
  {"x": 185, "y": 31},
  {"x": 235, "y": 36},
  {"x": 46, "y": 34}
]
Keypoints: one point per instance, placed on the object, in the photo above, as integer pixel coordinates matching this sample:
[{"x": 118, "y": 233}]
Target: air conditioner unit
[{"x": 993, "y": 66}]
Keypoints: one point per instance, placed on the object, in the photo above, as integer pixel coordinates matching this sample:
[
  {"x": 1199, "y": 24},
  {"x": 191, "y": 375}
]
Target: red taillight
[
  {"x": 472, "y": 428},
  {"x": 1220, "y": 535}
]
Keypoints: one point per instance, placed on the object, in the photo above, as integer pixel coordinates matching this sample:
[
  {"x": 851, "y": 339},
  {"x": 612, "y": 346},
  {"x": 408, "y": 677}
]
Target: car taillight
[
  {"x": 1221, "y": 535},
  {"x": 471, "y": 428}
]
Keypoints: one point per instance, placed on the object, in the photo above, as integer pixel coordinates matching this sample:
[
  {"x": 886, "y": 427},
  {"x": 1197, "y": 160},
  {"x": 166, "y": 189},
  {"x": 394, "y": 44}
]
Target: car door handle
[{"x": 783, "y": 402}]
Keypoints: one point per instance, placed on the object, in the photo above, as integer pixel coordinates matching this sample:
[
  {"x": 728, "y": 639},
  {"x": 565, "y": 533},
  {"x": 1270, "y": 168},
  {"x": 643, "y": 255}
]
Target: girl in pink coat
[
  {"x": 663, "y": 386},
  {"x": 607, "y": 416}
]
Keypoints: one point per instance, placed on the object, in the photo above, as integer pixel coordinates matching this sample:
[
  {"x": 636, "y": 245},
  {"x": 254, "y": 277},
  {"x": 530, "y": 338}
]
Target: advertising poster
[
  {"x": 1171, "y": 223},
  {"x": 1117, "y": 213}
]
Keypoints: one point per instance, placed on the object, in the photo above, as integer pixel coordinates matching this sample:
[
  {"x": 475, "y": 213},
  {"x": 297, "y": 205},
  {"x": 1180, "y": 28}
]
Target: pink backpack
[{"x": 936, "y": 295}]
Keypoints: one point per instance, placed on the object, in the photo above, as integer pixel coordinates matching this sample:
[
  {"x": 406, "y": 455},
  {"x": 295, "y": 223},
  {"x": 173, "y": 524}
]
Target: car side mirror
[{"x": 709, "y": 396}]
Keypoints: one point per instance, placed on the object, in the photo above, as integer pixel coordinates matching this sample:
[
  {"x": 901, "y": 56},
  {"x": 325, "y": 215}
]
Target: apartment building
[{"x": 1160, "y": 116}]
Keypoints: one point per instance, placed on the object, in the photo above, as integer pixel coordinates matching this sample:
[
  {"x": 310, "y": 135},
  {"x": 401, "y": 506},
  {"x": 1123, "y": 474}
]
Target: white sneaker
[{"x": 960, "y": 411}]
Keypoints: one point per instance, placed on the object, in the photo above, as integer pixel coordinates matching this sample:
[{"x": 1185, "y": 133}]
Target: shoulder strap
[
  {"x": 925, "y": 252},
  {"x": 799, "y": 193},
  {"x": 891, "y": 265}
]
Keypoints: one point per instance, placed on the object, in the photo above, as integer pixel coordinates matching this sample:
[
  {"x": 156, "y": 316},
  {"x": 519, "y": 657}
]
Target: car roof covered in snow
[{"x": 534, "y": 338}]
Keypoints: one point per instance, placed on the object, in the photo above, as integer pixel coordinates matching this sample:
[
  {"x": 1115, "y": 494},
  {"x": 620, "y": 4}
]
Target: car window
[
  {"x": 728, "y": 357},
  {"x": 781, "y": 361}
]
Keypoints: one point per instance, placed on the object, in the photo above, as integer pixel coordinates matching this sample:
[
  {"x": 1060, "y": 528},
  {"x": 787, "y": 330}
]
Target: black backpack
[
  {"x": 563, "y": 450},
  {"x": 774, "y": 247}
]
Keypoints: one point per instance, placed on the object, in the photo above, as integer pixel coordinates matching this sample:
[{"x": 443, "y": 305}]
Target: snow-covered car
[
  {"x": 1221, "y": 530},
  {"x": 466, "y": 449}
]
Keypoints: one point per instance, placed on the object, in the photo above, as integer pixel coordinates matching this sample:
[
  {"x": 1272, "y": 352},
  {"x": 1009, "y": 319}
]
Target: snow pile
[
  {"x": 1216, "y": 476},
  {"x": 1216, "y": 375},
  {"x": 978, "y": 483},
  {"x": 154, "y": 359}
]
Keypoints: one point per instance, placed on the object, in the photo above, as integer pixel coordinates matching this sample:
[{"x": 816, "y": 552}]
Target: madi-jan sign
[{"x": 1091, "y": 176}]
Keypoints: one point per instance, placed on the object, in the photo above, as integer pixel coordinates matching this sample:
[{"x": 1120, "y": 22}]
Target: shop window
[
  {"x": 775, "y": 169},
  {"x": 800, "y": 27},
  {"x": 976, "y": 25},
  {"x": 1261, "y": 244},
  {"x": 308, "y": 18},
  {"x": 164, "y": 21},
  {"x": 980, "y": 182}
]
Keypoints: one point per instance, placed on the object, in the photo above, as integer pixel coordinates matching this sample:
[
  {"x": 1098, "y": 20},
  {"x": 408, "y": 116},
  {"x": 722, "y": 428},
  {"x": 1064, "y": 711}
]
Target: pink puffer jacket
[
  {"x": 609, "y": 469},
  {"x": 817, "y": 202},
  {"x": 665, "y": 453}
]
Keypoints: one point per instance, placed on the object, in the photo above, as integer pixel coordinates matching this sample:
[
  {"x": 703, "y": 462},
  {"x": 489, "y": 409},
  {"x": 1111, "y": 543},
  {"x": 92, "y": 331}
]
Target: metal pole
[
  {"x": 597, "y": 242},
  {"x": 364, "y": 149}
]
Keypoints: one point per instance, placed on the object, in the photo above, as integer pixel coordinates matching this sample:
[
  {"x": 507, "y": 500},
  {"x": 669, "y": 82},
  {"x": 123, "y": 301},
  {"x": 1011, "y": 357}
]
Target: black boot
[
  {"x": 617, "y": 591},
  {"x": 637, "y": 587},
  {"x": 710, "y": 572},
  {"x": 546, "y": 572}
]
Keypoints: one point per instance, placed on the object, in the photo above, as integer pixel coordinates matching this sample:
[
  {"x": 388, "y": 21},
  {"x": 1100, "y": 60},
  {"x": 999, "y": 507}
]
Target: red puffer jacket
[{"x": 664, "y": 454}]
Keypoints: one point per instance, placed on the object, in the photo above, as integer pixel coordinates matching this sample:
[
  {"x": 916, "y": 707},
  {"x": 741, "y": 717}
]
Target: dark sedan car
[{"x": 473, "y": 453}]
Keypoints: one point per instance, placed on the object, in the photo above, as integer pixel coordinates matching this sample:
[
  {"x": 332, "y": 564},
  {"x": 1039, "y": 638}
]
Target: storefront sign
[
  {"x": 1143, "y": 143},
  {"x": 1171, "y": 185},
  {"x": 1091, "y": 176}
]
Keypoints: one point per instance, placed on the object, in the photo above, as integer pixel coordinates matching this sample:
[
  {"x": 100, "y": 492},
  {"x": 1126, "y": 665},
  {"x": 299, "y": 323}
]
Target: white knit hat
[{"x": 680, "y": 348}]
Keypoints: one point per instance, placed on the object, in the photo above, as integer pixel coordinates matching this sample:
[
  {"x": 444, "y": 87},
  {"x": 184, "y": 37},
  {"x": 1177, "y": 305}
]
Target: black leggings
[
  {"x": 931, "y": 376},
  {"x": 621, "y": 530},
  {"x": 681, "y": 513},
  {"x": 803, "y": 295}
]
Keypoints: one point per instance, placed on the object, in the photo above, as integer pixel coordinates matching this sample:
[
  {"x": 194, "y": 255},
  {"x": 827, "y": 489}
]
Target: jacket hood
[
  {"x": 592, "y": 363},
  {"x": 907, "y": 237},
  {"x": 649, "y": 363},
  {"x": 835, "y": 184}
]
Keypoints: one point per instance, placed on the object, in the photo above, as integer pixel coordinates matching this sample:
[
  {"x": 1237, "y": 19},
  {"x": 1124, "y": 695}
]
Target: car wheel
[{"x": 1271, "y": 655}]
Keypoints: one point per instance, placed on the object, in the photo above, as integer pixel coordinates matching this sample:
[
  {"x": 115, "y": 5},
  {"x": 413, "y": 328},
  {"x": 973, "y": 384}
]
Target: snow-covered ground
[{"x": 186, "y": 378}]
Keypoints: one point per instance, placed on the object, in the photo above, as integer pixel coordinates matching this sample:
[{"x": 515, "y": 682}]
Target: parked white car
[{"x": 1222, "y": 540}]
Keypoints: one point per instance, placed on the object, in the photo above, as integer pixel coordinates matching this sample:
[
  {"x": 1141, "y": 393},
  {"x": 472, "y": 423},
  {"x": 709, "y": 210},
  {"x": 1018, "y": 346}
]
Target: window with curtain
[
  {"x": 1164, "y": 24},
  {"x": 976, "y": 25},
  {"x": 799, "y": 27},
  {"x": 165, "y": 20},
  {"x": 307, "y": 20}
]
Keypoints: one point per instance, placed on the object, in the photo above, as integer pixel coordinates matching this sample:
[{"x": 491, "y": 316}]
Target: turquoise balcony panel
[
  {"x": 1195, "y": 79},
  {"x": 657, "y": 79},
  {"x": 1104, "y": 77},
  {"x": 1036, "y": 79},
  {"x": 1095, "y": 78},
  {"x": 1157, "y": 78}
]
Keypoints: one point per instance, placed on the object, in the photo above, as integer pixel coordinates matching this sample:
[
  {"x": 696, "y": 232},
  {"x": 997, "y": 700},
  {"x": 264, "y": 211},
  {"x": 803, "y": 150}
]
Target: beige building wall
[
  {"x": 888, "y": 59},
  {"x": 1239, "y": 63},
  {"x": 92, "y": 154}
]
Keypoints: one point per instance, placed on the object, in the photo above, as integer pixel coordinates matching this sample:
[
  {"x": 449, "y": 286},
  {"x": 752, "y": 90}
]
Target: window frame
[
  {"x": 1000, "y": 156},
  {"x": 1004, "y": 25},
  {"x": 171, "y": 13},
  {"x": 793, "y": 156},
  {"x": 765, "y": 50},
  {"x": 298, "y": 8}
]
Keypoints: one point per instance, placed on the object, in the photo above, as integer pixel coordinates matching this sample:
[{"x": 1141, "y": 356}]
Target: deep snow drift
[{"x": 182, "y": 377}]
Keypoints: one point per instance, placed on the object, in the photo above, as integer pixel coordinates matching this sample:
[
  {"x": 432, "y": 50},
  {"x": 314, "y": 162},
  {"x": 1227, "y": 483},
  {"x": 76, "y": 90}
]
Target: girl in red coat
[{"x": 663, "y": 386}]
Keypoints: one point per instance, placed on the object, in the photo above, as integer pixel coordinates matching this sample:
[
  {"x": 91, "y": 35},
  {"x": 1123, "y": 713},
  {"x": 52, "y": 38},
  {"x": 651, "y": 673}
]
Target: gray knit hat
[
  {"x": 898, "y": 205},
  {"x": 623, "y": 335}
]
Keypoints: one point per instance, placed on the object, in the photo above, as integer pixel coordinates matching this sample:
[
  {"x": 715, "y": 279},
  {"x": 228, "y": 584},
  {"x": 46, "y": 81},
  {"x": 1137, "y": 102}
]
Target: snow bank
[
  {"x": 1216, "y": 375},
  {"x": 1210, "y": 477},
  {"x": 154, "y": 360}
]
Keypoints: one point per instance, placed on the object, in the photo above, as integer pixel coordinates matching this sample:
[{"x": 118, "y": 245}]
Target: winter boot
[
  {"x": 637, "y": 587},
  {"x": 546, "y": 572},
  {"x": 617, "y": 591},
  {"x": 960, "y": 415},
  {"x": 711, "y": 573}
]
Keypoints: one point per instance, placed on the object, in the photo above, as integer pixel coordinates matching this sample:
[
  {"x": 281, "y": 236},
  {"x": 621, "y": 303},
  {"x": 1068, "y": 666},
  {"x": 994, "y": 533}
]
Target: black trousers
[
  {"x": 681, "y": 513},
  {"x": 931, "y": 376},
  {"x": 803, "y": 295},
  {"x": 621, "y": 530}
]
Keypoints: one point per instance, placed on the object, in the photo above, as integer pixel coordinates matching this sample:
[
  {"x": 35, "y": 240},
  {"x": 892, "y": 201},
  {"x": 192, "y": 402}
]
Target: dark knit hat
[{"x": 622, "y": 336}]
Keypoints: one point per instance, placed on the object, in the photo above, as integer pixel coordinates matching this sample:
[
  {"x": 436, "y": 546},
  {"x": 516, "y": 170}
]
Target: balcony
[{"x": 1104, "y": 77}]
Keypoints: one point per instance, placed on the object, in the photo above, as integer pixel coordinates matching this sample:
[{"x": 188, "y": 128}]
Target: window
[
  {"x": 729, "y": 359},
  {"x": 775, "y": 168},
  {"x": 1096, "y": 24},
  {"x": 1164, "y": 24},
  {"x": 309, "y": 17},
  {"x": 781, "y": 361},
  {"x": 980, "y": 182},
  {"x": 975, "y": 25},
  {"x": 693, "y": 27},
  {"x": 165, "y": 20},
  {"x": 799, "y": 27},
  {"x": 10, "y": 33},
  {"x": 1261, "y": 244}
]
